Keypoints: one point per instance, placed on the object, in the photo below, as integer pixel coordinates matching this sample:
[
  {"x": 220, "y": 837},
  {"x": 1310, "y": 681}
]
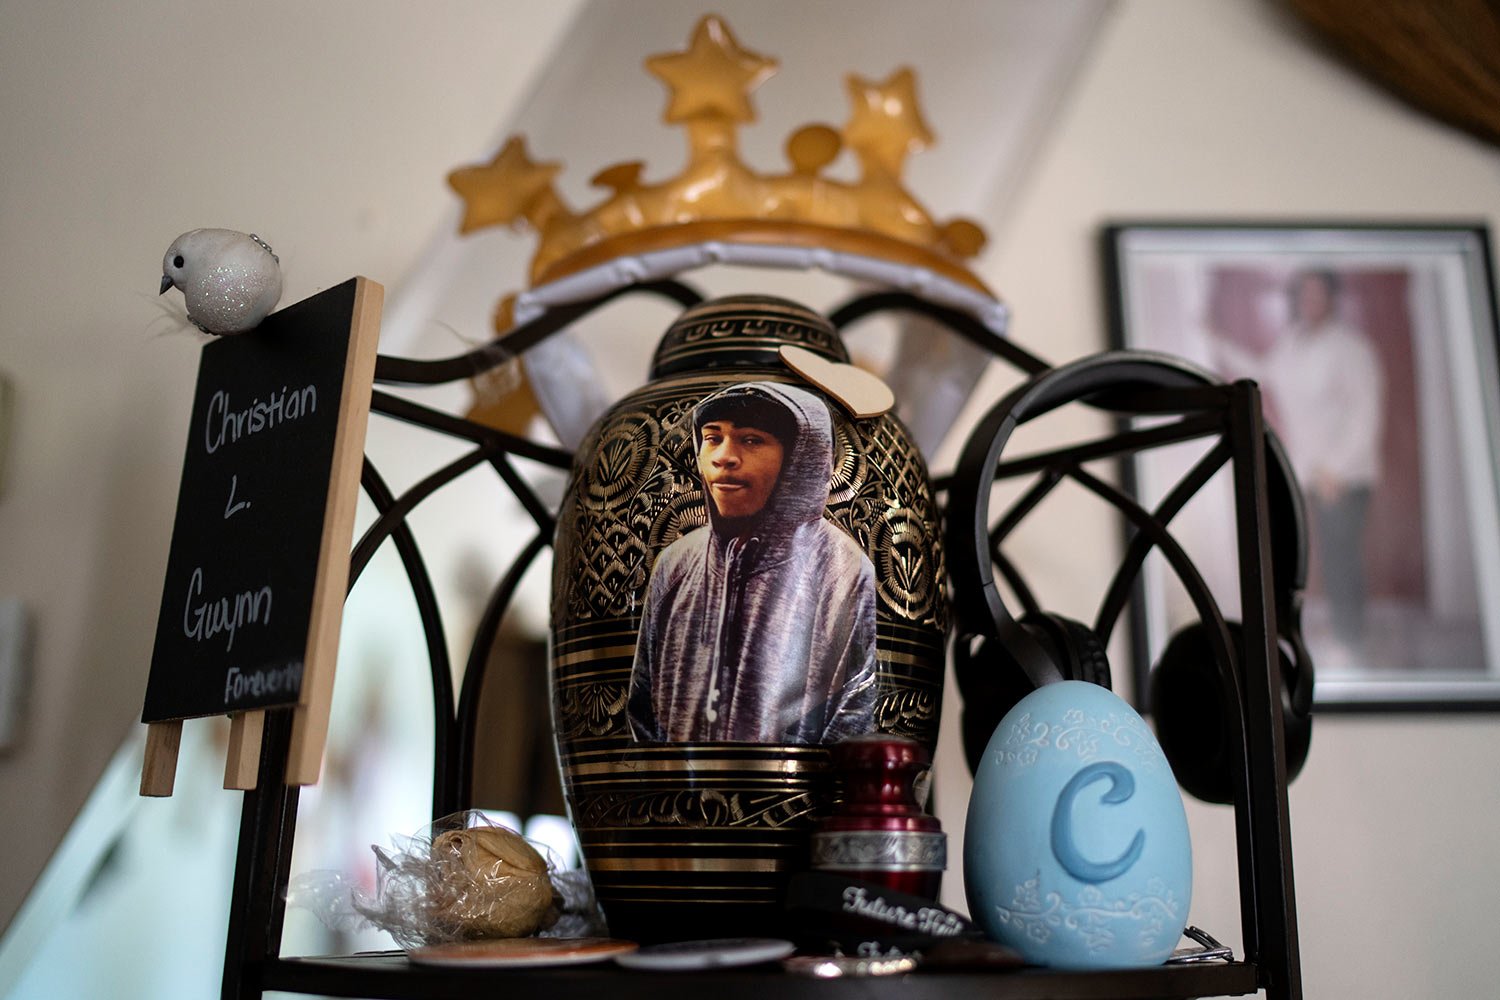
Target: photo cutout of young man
[{"x": 759, "y": 626}]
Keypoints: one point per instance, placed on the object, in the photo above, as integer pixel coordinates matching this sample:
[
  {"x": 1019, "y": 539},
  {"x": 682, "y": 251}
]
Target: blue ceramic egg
[{"x": 1076, "y": 848}]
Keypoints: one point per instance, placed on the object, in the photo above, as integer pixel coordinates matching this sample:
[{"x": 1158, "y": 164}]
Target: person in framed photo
[
  {"x": 1326, "y": 391},
  {"x": 760, "y": 625}
]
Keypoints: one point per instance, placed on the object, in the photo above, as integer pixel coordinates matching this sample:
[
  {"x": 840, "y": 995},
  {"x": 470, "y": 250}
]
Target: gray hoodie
[{"x": 765, "y": 635}]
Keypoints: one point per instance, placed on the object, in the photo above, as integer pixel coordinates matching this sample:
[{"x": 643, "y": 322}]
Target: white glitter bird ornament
[{"x": 230, "y": 281}]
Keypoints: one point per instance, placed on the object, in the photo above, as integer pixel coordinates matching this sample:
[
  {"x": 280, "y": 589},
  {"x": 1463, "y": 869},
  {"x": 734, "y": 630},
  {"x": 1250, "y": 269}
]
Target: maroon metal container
[{"x": 880, "y": 833}]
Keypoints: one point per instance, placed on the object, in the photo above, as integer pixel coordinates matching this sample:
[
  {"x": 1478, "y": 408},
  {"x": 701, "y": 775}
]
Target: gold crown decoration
[{"x": 717, "y": 197}]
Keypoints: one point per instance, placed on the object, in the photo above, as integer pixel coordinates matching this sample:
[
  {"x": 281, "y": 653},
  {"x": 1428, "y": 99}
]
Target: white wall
[
  {"x": 1222, "y": 109},
  {"x": 123, "y": 127}
]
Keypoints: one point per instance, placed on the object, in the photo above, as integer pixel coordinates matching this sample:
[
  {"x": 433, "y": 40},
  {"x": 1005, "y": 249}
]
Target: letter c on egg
[{"x": 1121, "y": 788}]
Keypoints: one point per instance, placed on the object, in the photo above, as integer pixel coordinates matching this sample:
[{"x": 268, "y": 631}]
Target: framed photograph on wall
[{"x": 1375, "y": 349}]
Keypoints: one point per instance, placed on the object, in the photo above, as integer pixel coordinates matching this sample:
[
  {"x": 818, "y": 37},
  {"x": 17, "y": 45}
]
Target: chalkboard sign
[{"x": 265, "y": 513}]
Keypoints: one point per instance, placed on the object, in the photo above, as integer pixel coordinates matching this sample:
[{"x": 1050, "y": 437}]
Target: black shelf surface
[{"x": 390, "y": 975}]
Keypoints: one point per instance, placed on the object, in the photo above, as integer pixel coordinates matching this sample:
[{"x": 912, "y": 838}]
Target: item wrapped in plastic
[{"x": 463, "y": 878}]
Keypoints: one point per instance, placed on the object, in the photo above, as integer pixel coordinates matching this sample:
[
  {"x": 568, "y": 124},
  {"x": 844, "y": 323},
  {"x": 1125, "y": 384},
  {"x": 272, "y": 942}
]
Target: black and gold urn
[{"x": 744, "y": 575}]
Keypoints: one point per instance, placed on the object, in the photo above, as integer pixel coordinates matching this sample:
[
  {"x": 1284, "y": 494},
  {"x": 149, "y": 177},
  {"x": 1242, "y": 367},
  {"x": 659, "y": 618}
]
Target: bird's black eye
[{"x": 177, "y": 261}]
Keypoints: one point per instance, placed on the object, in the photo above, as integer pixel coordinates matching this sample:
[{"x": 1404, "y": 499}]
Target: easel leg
[
  {"x": 159, "y": 772},
  {"x": 309, "y": 734},
  {"x": 243, "y": 759}
]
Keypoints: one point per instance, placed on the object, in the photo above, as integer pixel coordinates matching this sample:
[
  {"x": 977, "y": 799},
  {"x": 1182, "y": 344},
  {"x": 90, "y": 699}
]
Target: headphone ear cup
[
  {"x": 1073, "y": 646},
  {"x": 1193, "y": 721},
  {"x": 1296, "y": 725},
  {"x": 1192, "y": 727},
  {"x": 990, "y": 683}
]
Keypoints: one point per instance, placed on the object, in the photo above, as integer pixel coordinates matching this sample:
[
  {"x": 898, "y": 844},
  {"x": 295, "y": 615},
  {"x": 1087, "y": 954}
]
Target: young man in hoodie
[{"x": 759, "y": 626}]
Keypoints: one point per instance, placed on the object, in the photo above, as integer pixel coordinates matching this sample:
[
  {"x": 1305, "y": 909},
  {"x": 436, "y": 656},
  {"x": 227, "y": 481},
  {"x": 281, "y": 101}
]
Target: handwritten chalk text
[
  {"x": 262, "y": 682},
  {"x": 202, "y": 620},
  {"x": 225, "y": 424}
]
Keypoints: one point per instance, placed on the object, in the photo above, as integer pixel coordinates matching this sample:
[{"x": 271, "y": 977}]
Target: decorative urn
[{"x": 744, "y": 575}]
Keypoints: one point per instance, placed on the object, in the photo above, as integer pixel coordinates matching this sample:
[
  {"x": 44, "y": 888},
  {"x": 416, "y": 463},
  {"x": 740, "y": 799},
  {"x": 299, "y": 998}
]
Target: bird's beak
[{"x": 166, "y": 282}]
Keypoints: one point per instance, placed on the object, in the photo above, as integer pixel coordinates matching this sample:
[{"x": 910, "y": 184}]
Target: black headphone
[{"x": 1188, "y": 698}]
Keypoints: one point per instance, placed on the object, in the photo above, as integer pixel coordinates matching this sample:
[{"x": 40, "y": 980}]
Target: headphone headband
[{"x": 1099, "y": 379}]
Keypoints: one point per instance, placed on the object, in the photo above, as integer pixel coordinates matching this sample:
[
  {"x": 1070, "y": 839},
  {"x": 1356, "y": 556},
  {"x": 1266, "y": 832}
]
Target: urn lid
[
  {"x": 743, "y": 331},
  {"x": 885, "y": 779}
]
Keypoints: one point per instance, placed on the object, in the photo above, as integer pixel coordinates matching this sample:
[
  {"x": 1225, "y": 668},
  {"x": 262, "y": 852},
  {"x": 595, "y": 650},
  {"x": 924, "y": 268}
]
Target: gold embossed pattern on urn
[{"x": 744, "y": 574}]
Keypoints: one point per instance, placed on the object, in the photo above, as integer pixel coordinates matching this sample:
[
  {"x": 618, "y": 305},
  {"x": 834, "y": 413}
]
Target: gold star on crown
[{"x": 717, "y": 196}]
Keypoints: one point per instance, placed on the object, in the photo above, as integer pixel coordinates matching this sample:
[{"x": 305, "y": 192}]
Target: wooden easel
[{"x": 315, "y": 695}]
